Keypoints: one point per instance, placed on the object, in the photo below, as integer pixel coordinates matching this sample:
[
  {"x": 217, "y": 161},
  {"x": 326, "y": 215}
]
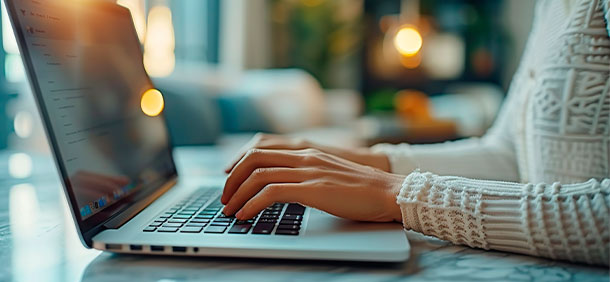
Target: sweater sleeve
[{"x": 557, "y": 221}]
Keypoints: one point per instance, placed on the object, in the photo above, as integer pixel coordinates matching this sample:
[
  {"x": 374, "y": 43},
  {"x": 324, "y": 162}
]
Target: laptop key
[
  {"x": 215, "y": 229},
  {"x": 155, "y": 224},
  {"x": 150, "y": 229},
  {"x": 267, "y": 220},
  {"x": 288, "y": 227},
  {"x": 215, "y": 223},
  {"x": 295, "y": 209},
  {"x": 240, "y": 222},
  {"x": 290, "y": 222},
  {"x": 292, "y": 217},
  {"x": 172, "y": 225},
  {"x": 223, "y": 219},
  {"x": 177, "y": 220},
  {"x": 287, "y": 232},
  {"x": 181, "y": 217},
  {"x": 167, "y": 229},
  {"x": 196, "y": 224},
  {"x": 263, "y": 228},
  {"x": 191, "y": 229},
  {"x": 240, "y": 228},
  {"x": 198, "y": 220}
]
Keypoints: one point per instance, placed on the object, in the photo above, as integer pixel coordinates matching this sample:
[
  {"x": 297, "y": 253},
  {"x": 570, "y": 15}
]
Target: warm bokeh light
[
  {"x": 408, "y": 41},
  {"x": 152, "y": 102},
  {"x": 159, "y": 44},
  {"x": 411, "y": 62},
  {"x": 413, "y": 105}
]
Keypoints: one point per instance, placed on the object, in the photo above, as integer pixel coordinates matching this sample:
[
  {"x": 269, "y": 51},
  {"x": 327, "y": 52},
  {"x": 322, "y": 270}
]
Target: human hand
[
  {"x": 312, "y": 178},
  {"x": 362, "y": 156}
]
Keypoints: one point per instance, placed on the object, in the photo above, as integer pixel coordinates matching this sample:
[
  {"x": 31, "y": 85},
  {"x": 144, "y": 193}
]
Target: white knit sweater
[{"x": 547, "y": 156}]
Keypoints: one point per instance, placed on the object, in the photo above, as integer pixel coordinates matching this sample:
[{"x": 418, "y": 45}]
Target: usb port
[
  {"x": 113, "y": 246},
  {"x": 157, "y": 248},
  {"x": 179, "y": 249},
  {"x": 135, "y": 247}
]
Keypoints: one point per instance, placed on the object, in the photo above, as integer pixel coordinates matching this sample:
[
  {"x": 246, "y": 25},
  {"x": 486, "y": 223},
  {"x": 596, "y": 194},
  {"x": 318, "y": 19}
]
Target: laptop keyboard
[{"x": 190, "y": 216}]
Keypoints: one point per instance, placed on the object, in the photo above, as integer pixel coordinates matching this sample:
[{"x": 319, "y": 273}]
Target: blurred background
[{"x": 375, "y": 70}]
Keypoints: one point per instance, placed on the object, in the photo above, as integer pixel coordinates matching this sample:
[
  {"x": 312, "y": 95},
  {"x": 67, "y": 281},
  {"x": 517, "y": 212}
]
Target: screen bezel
[{"x": 91, "y": 226}]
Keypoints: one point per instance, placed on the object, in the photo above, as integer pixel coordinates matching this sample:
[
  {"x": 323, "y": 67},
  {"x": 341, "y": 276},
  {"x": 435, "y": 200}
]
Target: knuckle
[
  {"x": 253, "y": 152},
  {"x": 301, "y": 142},
  {"x": 261, "y": 136},
  {"x": 312, "y": 156},
  {"x": 310, "y": 159},
  {"x": 312, "y": 151},
  {"x": 272, "y": 190},
  {"x": 260, "y": 172}
]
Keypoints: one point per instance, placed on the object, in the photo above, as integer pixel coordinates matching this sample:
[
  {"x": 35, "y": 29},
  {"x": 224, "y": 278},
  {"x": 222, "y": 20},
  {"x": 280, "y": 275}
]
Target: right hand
[
  {"x": 362, "y": 156},
  {"x": 314, "y": 179}
]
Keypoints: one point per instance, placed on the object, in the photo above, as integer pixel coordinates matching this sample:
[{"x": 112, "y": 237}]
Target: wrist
[
  {"x": 380, "y": 161},
  {"x": 374, "y": 159},
  {"x": 392, "y": 191}
]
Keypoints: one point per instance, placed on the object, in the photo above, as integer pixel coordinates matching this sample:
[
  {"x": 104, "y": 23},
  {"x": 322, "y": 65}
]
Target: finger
[
  {"x": 257, "y": 158},
  {"x": 260, "y": 178},
  {"x": 268, "y": 142},
  {"x": 242, "y": 152},
  {"x": 259, "y": 137},
  {"x": 274, "y": 193}
]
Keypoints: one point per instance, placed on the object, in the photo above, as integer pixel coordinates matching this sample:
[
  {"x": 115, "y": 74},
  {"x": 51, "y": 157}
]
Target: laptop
[{"x": 113, "y": 152}]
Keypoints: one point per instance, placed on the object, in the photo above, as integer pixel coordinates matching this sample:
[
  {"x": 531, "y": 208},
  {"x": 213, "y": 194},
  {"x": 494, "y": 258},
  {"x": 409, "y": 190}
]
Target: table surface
[{"x": 38, "y": 242}]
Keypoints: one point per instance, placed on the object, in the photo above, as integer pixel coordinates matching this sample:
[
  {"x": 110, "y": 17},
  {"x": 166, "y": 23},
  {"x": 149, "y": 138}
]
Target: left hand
[{"x": 312, "y": 178}]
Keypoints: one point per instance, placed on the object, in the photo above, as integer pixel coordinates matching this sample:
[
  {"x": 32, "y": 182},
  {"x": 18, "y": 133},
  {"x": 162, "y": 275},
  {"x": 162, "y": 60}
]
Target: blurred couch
[{"x": 204, "y": 102}]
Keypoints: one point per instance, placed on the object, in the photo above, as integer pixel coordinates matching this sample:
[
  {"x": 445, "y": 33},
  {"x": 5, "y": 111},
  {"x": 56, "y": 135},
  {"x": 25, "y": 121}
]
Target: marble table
[{"x": 38, "y": 242}]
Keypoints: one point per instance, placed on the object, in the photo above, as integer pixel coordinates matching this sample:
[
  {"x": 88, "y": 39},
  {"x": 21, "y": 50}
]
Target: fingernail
[{"x": 238, "y": 214}]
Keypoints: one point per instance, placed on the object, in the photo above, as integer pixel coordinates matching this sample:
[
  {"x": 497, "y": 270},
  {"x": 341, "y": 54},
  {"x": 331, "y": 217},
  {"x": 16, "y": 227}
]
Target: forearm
[
  {"x": 364, "y": 156},
  {"x": 556, "y": 221}
]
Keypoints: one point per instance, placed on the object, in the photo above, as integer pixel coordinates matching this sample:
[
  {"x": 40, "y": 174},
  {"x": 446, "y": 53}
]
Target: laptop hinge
[{"x": 126, "y": 215}]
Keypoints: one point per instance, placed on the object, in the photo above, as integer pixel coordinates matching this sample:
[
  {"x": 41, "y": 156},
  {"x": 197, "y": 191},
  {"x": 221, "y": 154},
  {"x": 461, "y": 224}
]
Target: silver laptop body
[{"x": 84, "y": 63}]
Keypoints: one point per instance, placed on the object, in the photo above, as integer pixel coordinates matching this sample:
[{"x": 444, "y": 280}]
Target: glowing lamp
[
  {"x": 152, "y": 102},
  {"x": 408, "y": 41}
]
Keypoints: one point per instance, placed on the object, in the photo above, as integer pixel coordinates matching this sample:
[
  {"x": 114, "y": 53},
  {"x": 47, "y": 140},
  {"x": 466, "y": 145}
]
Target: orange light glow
[
  {"x": 408, "y": 41},
  {"x": 152, "y": 102},
  {"x": 411, "y": 62}
]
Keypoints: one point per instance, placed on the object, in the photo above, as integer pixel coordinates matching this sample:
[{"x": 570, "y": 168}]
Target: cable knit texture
[{"x": 550, "y": 146}]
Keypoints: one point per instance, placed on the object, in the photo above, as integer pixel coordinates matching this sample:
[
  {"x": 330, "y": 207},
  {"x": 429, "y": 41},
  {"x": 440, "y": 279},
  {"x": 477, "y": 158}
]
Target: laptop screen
[{"x": 84, "y": 61}]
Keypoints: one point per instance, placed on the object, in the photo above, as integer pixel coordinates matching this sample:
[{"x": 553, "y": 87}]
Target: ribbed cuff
[{"x": 406, "y": 199}]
